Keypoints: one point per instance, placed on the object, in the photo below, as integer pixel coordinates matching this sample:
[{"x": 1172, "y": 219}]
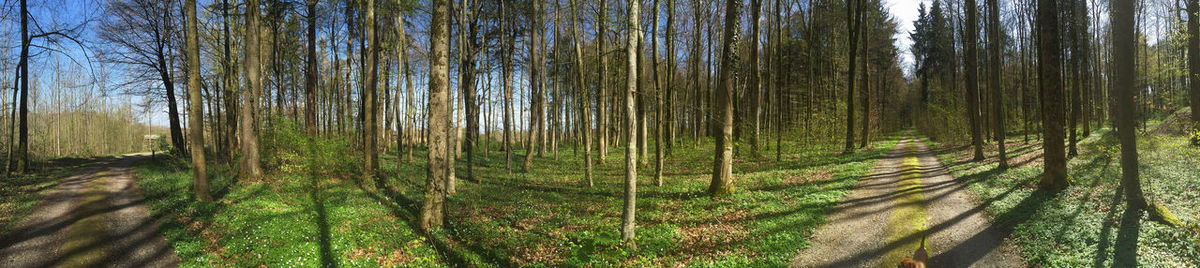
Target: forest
[{"x": 600, "y": 133}]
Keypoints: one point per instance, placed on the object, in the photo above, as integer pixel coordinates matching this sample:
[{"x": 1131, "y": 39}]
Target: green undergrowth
[
  {"x": 312, "y": 212},
  {"x": 549, "y": 218},
  {"x": 19, "y": 194},
  {"x": 1088, "y": 224},
  {"x": 310, "y": 216}
]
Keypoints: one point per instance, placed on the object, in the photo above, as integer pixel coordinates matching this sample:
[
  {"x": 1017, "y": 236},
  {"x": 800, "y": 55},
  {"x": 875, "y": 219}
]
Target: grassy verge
[
  {"x": 19, "y": 194},
  {"x": 289, "y": 220},
  {"x": 542, "y": 218},
  {"x": 1087, "y": 224}
]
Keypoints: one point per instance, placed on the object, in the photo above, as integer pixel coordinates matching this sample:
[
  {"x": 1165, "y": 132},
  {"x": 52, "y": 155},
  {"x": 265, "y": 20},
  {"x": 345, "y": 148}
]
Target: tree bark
[
  {"x": 250, "y": 166},
  {"x": 1193, "y": 28},
  {"x": 602, "y": 109},
  {"x": 971, "y": 68},
  {"x": 628, "y": 220},
  {"x": 196, "y": 111},
  {"x": 439, "y": 86},
  {"x": 722, "y": 178},
  {"x": 995, "y": 43},
  {"x": 1124, "y": 53},
  {"x": 585, "y": 125},
  {"x": 310, "y": 75},
  {"x": 1054, "y": 178}
]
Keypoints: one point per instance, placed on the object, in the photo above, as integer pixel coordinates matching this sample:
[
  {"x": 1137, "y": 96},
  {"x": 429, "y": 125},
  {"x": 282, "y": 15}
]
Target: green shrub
[{"x": 286, "y": 148}]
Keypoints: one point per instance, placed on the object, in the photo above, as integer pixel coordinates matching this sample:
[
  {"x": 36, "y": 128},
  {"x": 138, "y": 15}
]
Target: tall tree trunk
[
  {"x": 1193, "y": 29},
  {"x": 506, "y": 71},
  {"x": 971, "y": 68},
  {"x": 866, "y": 83},
  {"x": 432, "y": 206},
  {"x": 535, "y": 91},
  {"x": 722, "y": 178},
  {"x": 853, "y": 21},
  {"x": 601, "y": 107},
  {"x": 670, "y": 88},
  {"x": 310, "y": 75},
  {"x": 231, "y": 94},
  {"x": 250, "y": 166},
  {"x": 995, "y": 43},
  {"x": 628, "y": 221},
  {"x": 23, "y": 134},
  {"x": 370, "y": 100},
  {"x": 1124, "y": 53},
  {"x": 585, "y": 125},
  {"x": 658, "y": 101},
  {"x": 1049, "y": 62},
  {"x": 755, "y": 78},
  {"x": 196, "y": 111},
  {"x": 776, "y": 74}
]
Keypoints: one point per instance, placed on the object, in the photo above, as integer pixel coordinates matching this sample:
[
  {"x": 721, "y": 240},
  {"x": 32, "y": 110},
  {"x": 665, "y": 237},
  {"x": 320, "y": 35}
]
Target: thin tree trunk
[
  {"x": 628, "y": 222},
  {"x": 972, "y": 67},
  {"x": 585, "y": 125},
  {"x": 994, "y": 39}
]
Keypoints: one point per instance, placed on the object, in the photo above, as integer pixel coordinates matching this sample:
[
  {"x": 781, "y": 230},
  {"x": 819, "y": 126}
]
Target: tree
[
  {"x": 854, "y": 12},
  {"x": 310, "y": 73},
  {"x": 584, "y": 122},
  {"x": 602, "y": 109},
  {"x": 251, "y": 167},
  {"x": 506, "y": 70},
  {"x": 23, "y": 143},
  {"x": 972, "y": 68},
  {"x": 196, "y": 109},
  {"x": 140, "y": 34},
  {"x": 370, "y": 100},
  {"x": 1193, "y": 29},
  {"x": 628, "y": 221},
  {"x": 722, "y": 177},
  {"x": 1054, "y": 178},
  {"x": 1124, "y": 53},
  {"x": 432, "y": 206},
  {"x": 994, "y": 45},
  {"x": 228, "y": 76},
  {"x": 536, "y": 87},
  {"x": 755, "y": 77}
]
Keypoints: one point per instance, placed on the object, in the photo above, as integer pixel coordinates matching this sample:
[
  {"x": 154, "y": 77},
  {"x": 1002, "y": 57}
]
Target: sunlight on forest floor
[
  {"x": 1088, "y": 225},
  {"x": 544, "y": 217}
]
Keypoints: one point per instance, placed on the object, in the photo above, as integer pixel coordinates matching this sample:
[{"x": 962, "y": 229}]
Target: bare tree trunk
[
  {"x": 535, "y": 91},
  {"x": 994, "y": 38},
  {"x": 310, "y": 76},
  {"x": 432, "y": 207},
  {"x": 722, "y": 178},
  {"x": 1193, "y": 29},
  {"x": 1049, "y": 61},
  {"x": 658, "y": 92},
  {"x": 585, "y": 125},
  {"x": 972, "y": 67},
  {"x": 602, "y": 113},
  {"x": 506, "y": 71},
  {"x": 629, "y": 222},
  {"x": 250, "y": 167},
  {"x": 370, "y": 100},
  {"x": 755, "y": 77},
  {"x": 1123, "y": 57},
  {"x": 23, "y": 134},
  {"x": 196, "y": 111}
]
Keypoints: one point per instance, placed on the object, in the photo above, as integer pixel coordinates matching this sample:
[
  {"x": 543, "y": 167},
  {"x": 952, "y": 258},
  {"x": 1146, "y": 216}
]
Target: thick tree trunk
[
  {"x": 231, "y": 93},
  {"x": 722, "y": 178},
  {"x": 755, "y": 77},
  {"x": 250, "y": 166},
  {"x": 23, "y": 135},
  {"x": 370, "y": 100},
  {"x": 196, "y": 109},
  {"x": 1123, "y": 92},
  {"x": 432, "y": 207},
  {"x": 1050, "y": 59}
]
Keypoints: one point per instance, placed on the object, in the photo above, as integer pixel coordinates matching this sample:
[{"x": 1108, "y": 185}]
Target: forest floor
[
  {"x": 908, "y": 199},
  {"x": 512, "y": 218},
  {"x": 1088, "y": 225},
  {"x": 94, "y": 217}
]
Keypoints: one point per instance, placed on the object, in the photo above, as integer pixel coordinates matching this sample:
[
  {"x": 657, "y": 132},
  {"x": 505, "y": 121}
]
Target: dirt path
[
  {"x": 93, "y": 218},
  {"x": 908, "y": 196}
]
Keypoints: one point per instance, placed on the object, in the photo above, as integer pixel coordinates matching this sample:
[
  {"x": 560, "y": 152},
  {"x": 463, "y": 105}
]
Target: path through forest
[
  {"x": 886, "y": 216},
  {"x": 93, "y": 218}
]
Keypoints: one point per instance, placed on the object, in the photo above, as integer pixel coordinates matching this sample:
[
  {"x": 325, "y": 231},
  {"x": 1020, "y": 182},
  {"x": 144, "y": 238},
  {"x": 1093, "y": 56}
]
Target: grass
[
  {"x": 19, "y": 194},
  {"x": 545, "y": 218},
  {"x": 1087, "y": 224}
]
